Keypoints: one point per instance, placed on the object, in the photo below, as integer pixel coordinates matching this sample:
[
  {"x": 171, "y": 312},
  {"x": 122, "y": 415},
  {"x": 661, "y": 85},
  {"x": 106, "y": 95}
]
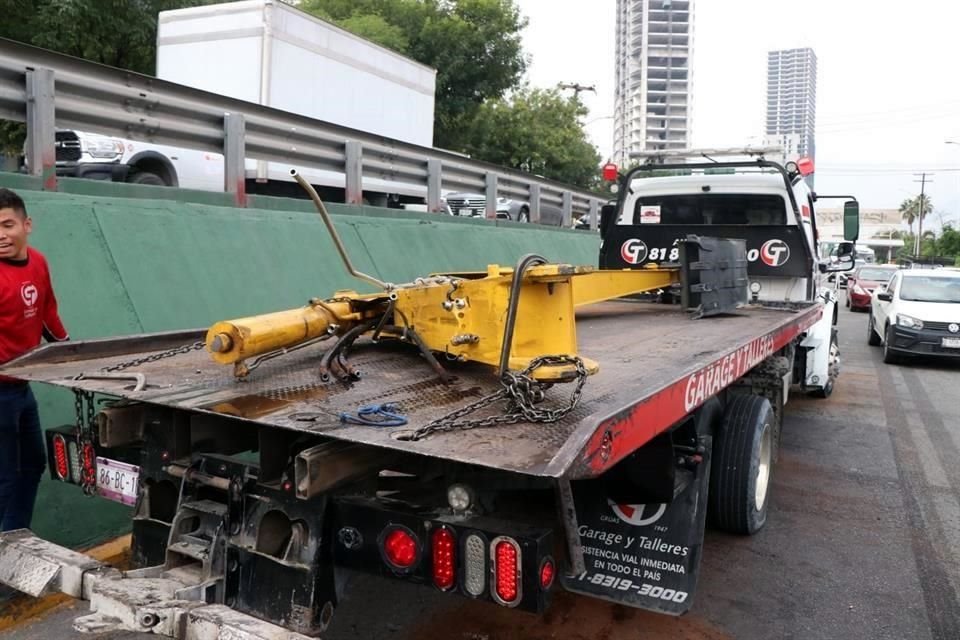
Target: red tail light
[
  {"x": 60, "y": 457},
  {"x": 444, "y": 558},
  {"x": 546, "y": 574},
  {"x": 506, "y": 571},
  {"x": 400, "y": 548},
  {"x": 89, "y": 464}
]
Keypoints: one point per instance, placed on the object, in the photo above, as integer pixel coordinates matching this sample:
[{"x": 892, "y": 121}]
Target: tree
[
  {"x": 538, "y": 131},
  {"x": 910, "y": 210},
  {"x": 948, "y": 244},
  {"x": 475, "y": 46},
  {"x": 119, "y": 33}
]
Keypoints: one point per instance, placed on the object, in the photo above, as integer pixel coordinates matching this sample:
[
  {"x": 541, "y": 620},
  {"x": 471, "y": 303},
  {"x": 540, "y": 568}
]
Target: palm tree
[{"x": 910, "y": 210}]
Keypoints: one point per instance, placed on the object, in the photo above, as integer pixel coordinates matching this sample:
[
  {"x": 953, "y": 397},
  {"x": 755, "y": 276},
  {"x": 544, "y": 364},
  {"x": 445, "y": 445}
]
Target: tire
[
  {"x": 740, "y": 469},
  {"x": 889, "y": 355},
  {"x": 145, "y": 177},
  {"x": 523, "y": 215},
  {"x": 833, "y": 368},
  {"x": 873, "y": 338},
  {"x": 848, "y": 303}
]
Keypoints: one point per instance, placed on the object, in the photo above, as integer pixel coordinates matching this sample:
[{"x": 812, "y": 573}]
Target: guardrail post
[
  {"x": 567, "y": 209},
  {"x": 234, "y": 157},
  {"x": 434, "y": 191},
  {"x": 535, "y": 203},
  {"x": 41, "y": 127},
  {"x": 491, "y": 196},
  {"x": 594, "y": 215},
  {"x": 354, "y": 172}
]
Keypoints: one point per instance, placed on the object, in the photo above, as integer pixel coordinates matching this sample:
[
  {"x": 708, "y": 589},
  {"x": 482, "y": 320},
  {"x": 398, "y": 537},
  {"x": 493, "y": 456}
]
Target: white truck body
[
  {"x": 792, "y": 286},
  {"x": 270, "y": 53}
]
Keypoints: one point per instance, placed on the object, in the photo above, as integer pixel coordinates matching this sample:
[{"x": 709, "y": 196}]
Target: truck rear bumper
[{"x": 157, "y": 604}]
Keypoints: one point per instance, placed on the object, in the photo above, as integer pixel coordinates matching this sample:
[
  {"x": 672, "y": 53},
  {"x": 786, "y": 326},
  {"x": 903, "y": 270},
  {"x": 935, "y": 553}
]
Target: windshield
[
  {"x": 920, "y": 289},
  {"x": 881, "y": 275},
  {"x": 714, "y": 208}
]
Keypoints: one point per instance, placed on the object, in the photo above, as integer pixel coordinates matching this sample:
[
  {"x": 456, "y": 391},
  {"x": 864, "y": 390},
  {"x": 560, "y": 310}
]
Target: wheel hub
[{"x": 763, "y": 468}]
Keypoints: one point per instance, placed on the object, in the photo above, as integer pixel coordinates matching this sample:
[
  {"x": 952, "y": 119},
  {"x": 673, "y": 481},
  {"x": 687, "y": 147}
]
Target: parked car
[
  {"x": 474, "y": 205},
  {"x": 917, "y": 312},
  {"x": 839, "y": 278},
  {"x": 862, "y": 282}
]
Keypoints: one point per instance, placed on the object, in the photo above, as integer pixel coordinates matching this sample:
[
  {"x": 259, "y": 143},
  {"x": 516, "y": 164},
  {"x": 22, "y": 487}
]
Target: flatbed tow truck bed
[{"x": 656, "y": 366}]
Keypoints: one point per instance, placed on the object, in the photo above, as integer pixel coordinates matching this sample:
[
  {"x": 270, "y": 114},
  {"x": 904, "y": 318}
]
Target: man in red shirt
[{"x": 28, "y": 313}]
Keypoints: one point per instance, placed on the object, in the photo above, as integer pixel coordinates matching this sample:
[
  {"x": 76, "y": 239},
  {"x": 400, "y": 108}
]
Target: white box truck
[{"x": 270, "y": 53}]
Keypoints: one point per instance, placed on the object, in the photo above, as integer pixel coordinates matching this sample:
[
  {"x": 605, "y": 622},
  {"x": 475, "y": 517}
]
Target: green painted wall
[{"x": 124, "y": 260}]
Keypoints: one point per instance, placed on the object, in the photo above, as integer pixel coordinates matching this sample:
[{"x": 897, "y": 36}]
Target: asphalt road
[{"x": 863, "y": 539}]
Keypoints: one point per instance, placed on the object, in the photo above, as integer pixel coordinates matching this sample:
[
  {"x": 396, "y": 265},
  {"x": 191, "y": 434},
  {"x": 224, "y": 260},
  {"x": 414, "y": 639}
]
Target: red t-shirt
[{"x": 28, "y": 307}]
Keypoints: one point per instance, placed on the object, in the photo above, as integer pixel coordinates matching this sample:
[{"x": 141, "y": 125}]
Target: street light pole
[{"x": 923, "y": 183}]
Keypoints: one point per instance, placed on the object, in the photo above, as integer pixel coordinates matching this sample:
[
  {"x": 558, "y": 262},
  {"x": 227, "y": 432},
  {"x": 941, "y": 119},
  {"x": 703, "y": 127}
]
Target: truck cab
[
  {"x": 772, "y": 210},
  {"x": 767, "y": 204}
]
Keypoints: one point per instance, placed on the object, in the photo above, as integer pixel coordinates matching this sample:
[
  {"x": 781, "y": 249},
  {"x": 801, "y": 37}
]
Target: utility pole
[
  {"x": 577, "y": 88},
  {"x": 923, "y": 183}
]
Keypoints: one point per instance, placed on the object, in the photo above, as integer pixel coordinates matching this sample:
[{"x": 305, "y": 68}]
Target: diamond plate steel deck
[{"x": 642, "y": 348}]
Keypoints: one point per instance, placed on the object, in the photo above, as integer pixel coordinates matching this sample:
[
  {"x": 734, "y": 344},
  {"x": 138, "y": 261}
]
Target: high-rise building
[
  {"x": 652, "y": 107},
  {"x": 792, "y": 97}
]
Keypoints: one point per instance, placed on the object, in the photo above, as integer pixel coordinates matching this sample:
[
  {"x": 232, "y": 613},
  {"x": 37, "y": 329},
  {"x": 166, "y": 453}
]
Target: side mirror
[
  {"x": 851, "y": 220},
  {"x": 886, "y": 296},
  {"x": 608, "y": 214},
  {"x": 845, "y": 259}
]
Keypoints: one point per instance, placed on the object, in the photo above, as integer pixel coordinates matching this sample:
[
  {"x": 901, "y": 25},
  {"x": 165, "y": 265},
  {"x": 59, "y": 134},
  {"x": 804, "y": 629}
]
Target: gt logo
[
  {"x": 639, "y": 515},
  {"x": 774, "y": 253},
  {"x": 29, "y": 294},
  {"x": 633, "y": 251}
]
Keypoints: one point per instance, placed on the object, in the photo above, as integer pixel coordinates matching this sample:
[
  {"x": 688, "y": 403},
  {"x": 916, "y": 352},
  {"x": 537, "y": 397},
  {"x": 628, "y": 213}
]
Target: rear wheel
[
  {"x": 740, "y": 470},
  {"x": 524, "y": 215},
  {"x": 873, "y": 338}
]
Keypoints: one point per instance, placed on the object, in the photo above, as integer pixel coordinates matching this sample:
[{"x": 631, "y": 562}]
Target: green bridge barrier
[{"x": 131, "y": 259}]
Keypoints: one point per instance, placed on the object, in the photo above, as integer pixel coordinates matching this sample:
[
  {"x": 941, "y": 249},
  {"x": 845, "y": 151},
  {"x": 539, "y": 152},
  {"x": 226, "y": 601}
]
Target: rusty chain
[
  {"x": 522, "y": 393},
  {"x": 86, "y": 419},
  {"x": 153, "y": 357}
]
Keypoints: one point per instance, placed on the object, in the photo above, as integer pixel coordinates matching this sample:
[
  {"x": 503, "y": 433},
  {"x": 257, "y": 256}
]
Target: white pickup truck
[{"x": 273, "y": 54}]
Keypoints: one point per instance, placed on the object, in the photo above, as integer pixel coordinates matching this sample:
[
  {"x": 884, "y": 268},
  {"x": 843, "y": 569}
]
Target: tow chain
[
  {"x": 86, "y": 451},
  {"x": 153, "y": 357},
  {"x": 522, "y": 393},
  {"x": 86, "y": 415}
]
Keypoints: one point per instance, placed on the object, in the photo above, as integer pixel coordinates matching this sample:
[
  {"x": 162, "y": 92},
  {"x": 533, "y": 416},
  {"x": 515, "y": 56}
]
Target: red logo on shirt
[{"x": 29, "y": 294}]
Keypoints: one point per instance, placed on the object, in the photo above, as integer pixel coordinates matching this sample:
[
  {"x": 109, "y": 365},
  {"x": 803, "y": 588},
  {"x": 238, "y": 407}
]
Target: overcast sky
[{"x": 888, "y": 86}]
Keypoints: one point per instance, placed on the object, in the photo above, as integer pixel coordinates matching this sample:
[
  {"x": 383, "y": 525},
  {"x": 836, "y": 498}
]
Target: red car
[{"x": 862, "y": 282}]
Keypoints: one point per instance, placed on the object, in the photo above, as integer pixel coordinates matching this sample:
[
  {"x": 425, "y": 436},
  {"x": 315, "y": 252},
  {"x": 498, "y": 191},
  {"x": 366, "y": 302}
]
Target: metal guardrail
[{"x": 48, "y": 90}]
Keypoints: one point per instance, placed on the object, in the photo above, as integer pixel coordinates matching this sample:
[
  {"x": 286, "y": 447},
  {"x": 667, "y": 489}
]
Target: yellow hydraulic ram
[
  {"x": 234, "y": 340},
  {"x": 465, "y": 316}
]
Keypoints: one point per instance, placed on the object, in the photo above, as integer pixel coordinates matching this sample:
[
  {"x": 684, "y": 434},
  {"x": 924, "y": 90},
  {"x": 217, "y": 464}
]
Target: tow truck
[{"x": 499, "y": 435}]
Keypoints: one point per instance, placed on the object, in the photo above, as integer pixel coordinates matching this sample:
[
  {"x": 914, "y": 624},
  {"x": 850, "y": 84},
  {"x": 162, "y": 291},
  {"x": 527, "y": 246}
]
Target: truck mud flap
[{"x": 643, "y": 556}]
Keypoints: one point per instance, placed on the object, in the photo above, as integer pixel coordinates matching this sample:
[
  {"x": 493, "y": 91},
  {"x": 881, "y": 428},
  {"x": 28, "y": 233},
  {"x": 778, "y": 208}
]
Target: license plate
[
  {"x": 118, "y": 481},
  {"x": 951, "y": 343}
]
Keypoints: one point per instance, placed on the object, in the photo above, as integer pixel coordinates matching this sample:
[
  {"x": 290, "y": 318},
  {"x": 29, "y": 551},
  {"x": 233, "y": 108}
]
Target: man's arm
[{"x": 53, "y": 329}]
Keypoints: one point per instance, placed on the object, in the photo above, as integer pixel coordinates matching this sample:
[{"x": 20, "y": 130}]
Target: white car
[{"x": 917, "y": 312}]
